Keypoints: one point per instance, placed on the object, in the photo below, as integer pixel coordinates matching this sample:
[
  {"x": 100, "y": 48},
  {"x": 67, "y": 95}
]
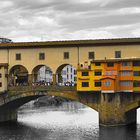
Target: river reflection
[{"x": 70, "y": 121}]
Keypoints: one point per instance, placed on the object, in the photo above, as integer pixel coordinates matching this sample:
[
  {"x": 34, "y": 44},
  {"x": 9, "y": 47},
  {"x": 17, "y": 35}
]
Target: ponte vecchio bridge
[{"x": 21, "y": 62}]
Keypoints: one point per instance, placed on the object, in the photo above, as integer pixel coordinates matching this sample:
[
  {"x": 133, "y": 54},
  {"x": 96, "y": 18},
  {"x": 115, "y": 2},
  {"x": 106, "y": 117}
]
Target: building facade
[
  {"x": 24, "y": 59},
  {"x": 109, "y": 76}
]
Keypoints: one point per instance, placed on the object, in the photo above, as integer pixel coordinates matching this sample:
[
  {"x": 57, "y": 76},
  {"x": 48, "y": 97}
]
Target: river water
[{"x": 70, "y": 121}]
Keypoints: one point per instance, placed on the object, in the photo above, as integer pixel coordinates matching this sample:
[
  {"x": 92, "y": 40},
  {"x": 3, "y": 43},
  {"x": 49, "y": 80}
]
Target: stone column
[
  {"x": 54, "y": 79},
  {"x": 30, "y": 79},
  {"x": 112, "y": 111}
]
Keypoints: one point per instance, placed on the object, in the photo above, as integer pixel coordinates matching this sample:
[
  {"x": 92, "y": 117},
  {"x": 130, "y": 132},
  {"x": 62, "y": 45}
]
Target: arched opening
[
  {"x": 18, "y": 75},
  {"x": 42, "y": 74},
  {"x": 66, "y": 75}
]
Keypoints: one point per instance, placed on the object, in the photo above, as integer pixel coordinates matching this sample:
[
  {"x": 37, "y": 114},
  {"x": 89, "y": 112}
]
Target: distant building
[
  {"x": 45, "y": 74},
  {"x": 5, "y": 40},
  {"x": 69, "y": 74}
]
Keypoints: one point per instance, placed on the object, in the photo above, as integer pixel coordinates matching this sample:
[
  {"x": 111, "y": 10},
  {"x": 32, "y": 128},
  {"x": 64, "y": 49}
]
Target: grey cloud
[
  {"x": 83, "y": 22},
  {"x": 32, "y": 18}
]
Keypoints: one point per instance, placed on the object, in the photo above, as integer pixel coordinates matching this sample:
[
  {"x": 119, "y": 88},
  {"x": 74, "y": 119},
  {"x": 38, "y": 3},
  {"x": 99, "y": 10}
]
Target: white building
[
  {"x": 45, "y": 74},
  {"x": 68, "y": 74}
]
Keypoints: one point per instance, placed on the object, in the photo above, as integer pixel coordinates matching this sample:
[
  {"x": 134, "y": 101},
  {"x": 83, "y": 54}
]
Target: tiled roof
[
  {"x": 116, "y": 60},
  {"x": 96, "y": 42}
]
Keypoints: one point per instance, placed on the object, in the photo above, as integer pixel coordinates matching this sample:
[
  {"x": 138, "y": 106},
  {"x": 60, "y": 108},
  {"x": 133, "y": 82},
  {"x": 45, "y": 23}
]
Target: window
[
  {"x": 107, "y": 83},
  {"x": 136, "y": 63},
  {"x": 66, "y": 55},
  {"x": 117, "y": 54},
  {"x": 0, "y": 84},
  {"x": 71, "y": 70},
  {"x": 136, "y": 83},
  {"x": 110, "y": 64},
  {"x": 136, "y": 73},
  {"x": 125, "y": 83},
  {"x": 126, "y": 63},
  {"x": 18, "y": 56},
  {"x": 97, "y": 73},
  {"x": 85, "y": 84},
  {"x": 97, "y": 64},
  {"x": 125, "y": 73},
  {"x": 91, "y": 55},
  {"x": 111, "y": 72},
  {"x": 41, "y": 56},
  {"x": 84, "y": 73},
  {"x": 97, "y": 84},
  {"x": 74, "y": 72},
  {"x": 64, "y": 79},
  {"x": 0, "y": 75},
  {"x": 64, "y": 72}
]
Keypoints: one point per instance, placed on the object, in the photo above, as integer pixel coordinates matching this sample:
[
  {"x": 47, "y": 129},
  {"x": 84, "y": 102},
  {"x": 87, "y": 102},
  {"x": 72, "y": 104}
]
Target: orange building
[{"x": 113, "y": 75}]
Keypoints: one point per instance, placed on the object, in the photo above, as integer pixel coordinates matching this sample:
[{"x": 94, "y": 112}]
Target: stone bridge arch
[
  {"x": 60, "y": 73},
  {"x": 18, "y": 75},
  {"x": 21, "y": 95},
  {"x": 41, "y": 73}
]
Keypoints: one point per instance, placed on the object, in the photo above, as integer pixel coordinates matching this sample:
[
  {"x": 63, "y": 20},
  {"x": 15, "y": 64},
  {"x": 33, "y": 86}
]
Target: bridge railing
[{"x": 41, "y": 88}]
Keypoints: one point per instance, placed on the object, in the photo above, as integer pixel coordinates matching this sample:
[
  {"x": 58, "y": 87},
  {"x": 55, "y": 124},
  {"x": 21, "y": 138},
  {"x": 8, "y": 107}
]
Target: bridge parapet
[{"x": 20, "y": 89}]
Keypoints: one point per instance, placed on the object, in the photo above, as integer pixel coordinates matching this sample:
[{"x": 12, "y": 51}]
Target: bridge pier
[
  {"x": 30, "y": 79},
  {"x": 112, "y": 111},
  {"x": 8, "y": 115},
  {"x": 54, "y": 79}
]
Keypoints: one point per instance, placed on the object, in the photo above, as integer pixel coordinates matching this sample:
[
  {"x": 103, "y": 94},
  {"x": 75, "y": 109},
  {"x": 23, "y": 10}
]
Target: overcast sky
[{"x": 36, "y": 20}]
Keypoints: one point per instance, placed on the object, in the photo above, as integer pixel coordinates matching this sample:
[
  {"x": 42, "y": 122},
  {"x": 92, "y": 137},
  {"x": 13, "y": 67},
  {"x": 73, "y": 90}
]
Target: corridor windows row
[
  {"x": 66, "y": 55},
  {"x": 91, "y": 55},
  {"x": 41, "y": 56}
]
